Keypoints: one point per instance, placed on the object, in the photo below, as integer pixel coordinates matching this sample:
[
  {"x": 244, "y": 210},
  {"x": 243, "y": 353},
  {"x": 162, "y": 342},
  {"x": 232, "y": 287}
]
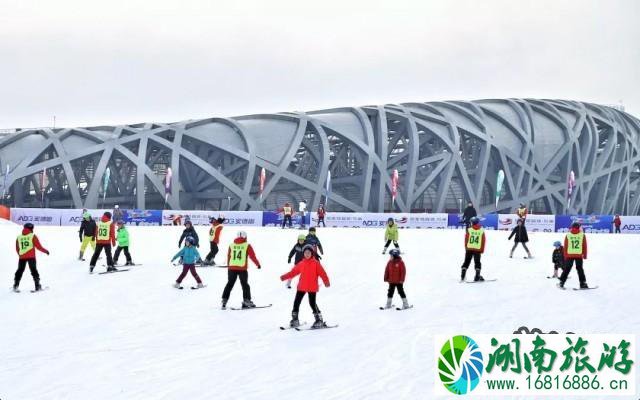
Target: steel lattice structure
[{"x": 445, "y": 152}]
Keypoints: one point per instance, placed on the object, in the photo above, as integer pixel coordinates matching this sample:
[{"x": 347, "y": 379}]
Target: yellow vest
[
  {"x": 238, "y": 254},
  {"x": 104, "y": 230},
  {"x": 213, "y": 230},
  {"x": 475, "y": 239},
  {"x": 575, "y": 241},
  {"x": 25, "y": 243},
  {"x": 287, "y": 210}
]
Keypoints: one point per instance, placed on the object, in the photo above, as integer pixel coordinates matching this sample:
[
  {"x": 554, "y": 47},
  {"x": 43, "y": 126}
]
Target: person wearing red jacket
[
  {"x": 214, "y": 239},
  {"x": 394, "y": 275},
  {"x": 474, "y": 241},
  {"x": 26, "y": 245},
  {"x": 616, "y": 223},
  {"x": 105, "y": 238},
  {"x": 575, "y": 251},
  {"x": 309, "y": 270},
  {"x": 321, "y": 213},
  {"x": 238, "y": 255}
]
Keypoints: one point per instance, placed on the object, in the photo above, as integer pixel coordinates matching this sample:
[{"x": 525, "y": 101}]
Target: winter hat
[
  {"x": 312, "y": 229},
  {"x": 475, "y": 220},
  {"x": 187, "y": 222},
  {"x": 557, "y": 244},
  {"x": 86, "y": 215},
  {"x": 190, "y": 240},
  {"x": 307, "y": 247},
  {"x": 302, "y": 237}
]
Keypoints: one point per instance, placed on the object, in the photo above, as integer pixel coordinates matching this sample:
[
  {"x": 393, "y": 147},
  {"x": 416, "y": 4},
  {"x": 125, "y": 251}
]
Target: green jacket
[
  {"x": 391, "y": 233},
  {"x": 123, "y": 237}
]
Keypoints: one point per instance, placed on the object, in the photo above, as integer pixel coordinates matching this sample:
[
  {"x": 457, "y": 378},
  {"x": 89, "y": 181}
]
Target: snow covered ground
[{"x": 132, "y": 336}]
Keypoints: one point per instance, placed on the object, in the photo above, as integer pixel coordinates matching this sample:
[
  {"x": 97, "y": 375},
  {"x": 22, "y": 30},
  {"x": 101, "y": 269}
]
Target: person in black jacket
[
  {"x": 87, "y": 234},
  {"x": 189, "y": 230},
  {"x": 469, "y": 213},
  {"x": 557, "y": 258},
  {"x": 298, "y": 252},
  {"x": 521, "y": 236}
]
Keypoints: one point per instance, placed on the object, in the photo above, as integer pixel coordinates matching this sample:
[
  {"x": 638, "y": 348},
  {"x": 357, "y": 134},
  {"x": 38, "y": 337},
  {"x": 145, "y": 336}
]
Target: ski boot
[
  {"x": 388, "y": 305},
  {"x": 176, "y": 285},
  {"x": 91, "y": 267},
  {"x": 319, "y": 323},
  {"x": 38, "y": 286},
  {"x": 200, "y": 285},
  {"x": 248, "y": 304},
  {"x": 529, "y": 256},
  {"x": 80, "y": 257},
  {"x": 583, "y": 285},
  {"x": 129, "y": 263},
  {"x": 384, "y": 251},
  {"x": 405, "y": 304},
  {"x": 15, "y": 289},
  {"x": 560, "y": 285},
  {"x": 224, "y": 304},
  {"x": 289, "y": 284},
  {"x": 463, "y": 274},
  {"x": 111, "y": 268},
  {"x": 478, "y": 277},
  {"x": 511, "y": 254},
  {"x": 294, "y": 323}
]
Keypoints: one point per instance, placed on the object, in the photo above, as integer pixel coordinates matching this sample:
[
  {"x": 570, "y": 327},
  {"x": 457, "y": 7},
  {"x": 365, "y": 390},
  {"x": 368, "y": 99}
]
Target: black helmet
[
  {"x": 107, "y": 214},
  {"x": 187, "y": 222},
  {"x": 395, "y": 253},
  {"x": 474, "y": 220},
  {"x": 190, "y": 239},
  {"x": 28, "y": 226},
  {"x": 575, "y": 225},
  {"x": 390, "y": 220}
]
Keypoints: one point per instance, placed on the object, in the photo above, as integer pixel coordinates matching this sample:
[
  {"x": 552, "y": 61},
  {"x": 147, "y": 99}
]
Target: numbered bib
[
  {"x": 238, "y": 254},
  {"x": 104, "y": 228},
  {"x": 574, "y": 243},
  {"x": 25, "y": 243},
  {"x": 475, "y": 239}
]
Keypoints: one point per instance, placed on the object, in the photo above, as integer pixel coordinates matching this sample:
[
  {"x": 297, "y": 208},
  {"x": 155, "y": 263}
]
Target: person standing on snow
[
  {"x": 287, "y": 212},
  {"x": 521, "y": 236},
  {"x": 189, "y": 256},
  {"x": 575, "y": 251},
  {"x": 87, "y": 234},
  {"x": 469, "y": 213},
  {"x": 214, "y": 239},
  {"x": 616, "y": 223},
  {"x": 394, "y": 275},
  {"x": 321, "y": 213},
  {"x": 474, "y": 242},
  {"x": 122, "y": 237},
  {"x": 104, "y": 240},
  {"x": 26, "y": 245},
  {"x": 314, "y": 241},
  {"x": 297, "y": 252},
  {"x": 391, "y": 235},
  {"x": 557, "y": 257},
  {"x": 238, "y": 255},
  {"x": 309, "y": 270},
  {"x": 118, "y": 215}
]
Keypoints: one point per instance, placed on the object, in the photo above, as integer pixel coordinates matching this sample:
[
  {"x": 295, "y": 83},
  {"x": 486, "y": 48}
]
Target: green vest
[
  {"x": 238, "y": 254},
  {"x": 391, "y": 233},
  {"x": 25, "y": 243},
  {"x": 212, "y": 232},
  {"x": 104, "y": 229},
  {"x": 575, "y": 241},
  {"x": 475, "y": 239}
]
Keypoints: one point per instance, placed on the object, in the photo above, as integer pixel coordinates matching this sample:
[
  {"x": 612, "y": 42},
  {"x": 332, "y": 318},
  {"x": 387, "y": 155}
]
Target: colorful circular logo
[{"x": 460, "y": 364}]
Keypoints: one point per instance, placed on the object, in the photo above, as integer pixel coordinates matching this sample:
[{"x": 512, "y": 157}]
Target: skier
[
  {"x": 297, "y": 252},
  {"x": 616, "y": 223},
  {"x": 321, "y": 213},
  {"x": 118, "y": 215},
  {"x": 302, "y": 207},
  {"x": 557, "y": 257},
  {"x": 314, "y": 241},
  {"x": 394, "y": 274},
  {"x": 26, "y": 245},
  {"x": 189, "y": 256},
  {"x": 214, "y": 239},
  {"x": 287, "y": 212},
  {"x": 521, "y": 212},
  {"x": 575, "y": 250},
  {"x": 105, "y": 239},
  {"x": 474, "y": 242},
  {"x": 391, "y": 234},
  {"x": 521, "y": 236},
  {"x": 189, "y": 231},
  {"x": 237, "y": 259},
  {"x": 469, "y": 213},
  {"x": 87, "y": 234},
  {"x": 123, "y": 243},
  {"x": 309, "y": 270}
]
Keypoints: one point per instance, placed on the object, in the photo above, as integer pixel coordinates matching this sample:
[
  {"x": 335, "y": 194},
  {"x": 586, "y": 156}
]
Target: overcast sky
[{"x": 118, "y": 62}]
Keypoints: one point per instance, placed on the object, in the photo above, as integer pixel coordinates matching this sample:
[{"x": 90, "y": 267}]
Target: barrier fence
[{"x": 535, "y": 222}]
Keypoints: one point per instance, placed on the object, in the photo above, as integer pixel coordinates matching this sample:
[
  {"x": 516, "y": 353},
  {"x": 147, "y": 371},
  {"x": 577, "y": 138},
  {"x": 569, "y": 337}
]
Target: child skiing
[
  {"x": 189, "y": 255},
  {"x": 575, "y": 251},
  {"x": 474, "y": 241},
  {"x": 557, "y": 257},
  {"x": 314, "y": 241},
  {"x": 394, "y": 274},
  {"x": 105, "y": 239},
  {"x": 123, "y": 244},
  {"x": 237, "y": 259},
  {"x": 287, "y": 212},
  {"x": 616, "y": 223},
  {"x": 214, "y": 239},
  {"x": 321, "y": 213},
  {"x": 521, "y": 236},
  {"x": 391, "y": 235},
  {"x": 26, "y": 245},
  {"x": 309, "y": 270},
  {"x": 189, "y": 231},
  {"x": 297, "y": 252},
  {"x": 87, "y": 234}
]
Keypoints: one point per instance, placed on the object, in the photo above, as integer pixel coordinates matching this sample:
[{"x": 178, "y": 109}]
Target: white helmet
[{"x": 242, "y": 234}]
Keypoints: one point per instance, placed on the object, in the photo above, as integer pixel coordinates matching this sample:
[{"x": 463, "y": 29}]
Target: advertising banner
[
  {"x": 74, "y": 216},
  {"x": 488, "y": 221},
  {"x": 630, "y": 224},
  {"x": 534, "y": 223},
  {"x": 590, "y": 223},
  {"x": 142, "y": 217},
  {"x": 201, "y": 217},
  {"x": 37, "y": 216},
  {"x": 428, "y": 221},
  {"x": 272, "y": 218},
  {"x": 373, "y": 220}
]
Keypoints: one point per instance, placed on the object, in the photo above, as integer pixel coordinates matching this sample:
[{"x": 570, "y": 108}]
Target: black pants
[
  {"x": 389, "y": 242},
  {"x": 119, "y": 249},
  {"x": 312, "y": 301},
  {"x": 284, "y": 221},
  {"x": 321, "y": 221},
  {"x": 212, "y": 252},
  {"x": 617, "y": 229},
  {"x": 244, "y": 281},
  {"x": 468, "y": 255},
  {"x": 98, "y": 250},
  {"x": 32, "y": 268},
  {"x": 568, "y": 264},
  {"x": 392, "y": 289}
]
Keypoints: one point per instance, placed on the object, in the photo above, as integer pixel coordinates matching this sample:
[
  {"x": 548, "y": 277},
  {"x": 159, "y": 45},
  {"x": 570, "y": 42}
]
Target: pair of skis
[
  {"x": 192, "y": 287},
  {"x": 32, "y": 290},
  {"x": 397, "y": 308},
  {"x": 303, "y": 327}
]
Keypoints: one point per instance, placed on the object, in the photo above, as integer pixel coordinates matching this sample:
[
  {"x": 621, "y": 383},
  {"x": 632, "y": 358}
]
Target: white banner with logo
[
  {"x": 362, "y": 220},
  {"x": 239, "y": 218},
  {"x": 630, "y": 224},
  {"x": 74, "y": 216},
  {"x": 36, "y": 216},
  {"x": 428, "y": 221},
  {"x": 534, "y": 222}
]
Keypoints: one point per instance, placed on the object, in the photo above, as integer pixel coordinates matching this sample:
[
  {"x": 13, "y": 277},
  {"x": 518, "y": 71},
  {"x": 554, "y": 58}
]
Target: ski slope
[{"x": 132, "y": 336}]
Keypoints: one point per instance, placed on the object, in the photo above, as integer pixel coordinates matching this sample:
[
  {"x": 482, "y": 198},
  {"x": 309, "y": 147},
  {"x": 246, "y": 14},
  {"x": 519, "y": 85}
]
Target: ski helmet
[
  {"x": 395, "y": 253},
  {"x": 390, "y": 220},
  {"x": 474, "y": 220},
  {"x": 187, "y": 222},
  {"x": 302, "y": 237},
  {"x": 557, "y": 244},
  {"x": 575, "y": 225},
  {"x": 190, "y": 239},
  {"x": 307, "y": 247},
  {"x": 28, "y": 226},
  {"x": 212, "y": 219},
  {"x": 220, "y": 220},
  {"x": 242, "y": 234},
  {"x": 86, "y": 216},
  {"x": 107, "y": 214},
  {"x": 312, "y": 229}
]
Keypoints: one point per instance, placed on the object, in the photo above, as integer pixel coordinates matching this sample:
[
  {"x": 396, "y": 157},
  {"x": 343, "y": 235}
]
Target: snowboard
[
  {"x": 249, "y": 308},
  {"x": 311, "y": 328},
  {"x": 41, "y": 290}
]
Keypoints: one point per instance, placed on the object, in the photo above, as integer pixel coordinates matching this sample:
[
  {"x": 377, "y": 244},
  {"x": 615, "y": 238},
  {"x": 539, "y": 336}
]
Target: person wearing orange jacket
[
  {"x": 105, "y": 239},
  {"x": 26, "y": 245},
  {"x": 287, "y": 212},
  {"x": 309, "y": 270},
  {"x": 214, "y": 239},
  {"x": 238, "y": 255},
  {"x": 474, "y": 241},
  {"x": 575, "y": 251},
  {"x": 394, "y": 275}
]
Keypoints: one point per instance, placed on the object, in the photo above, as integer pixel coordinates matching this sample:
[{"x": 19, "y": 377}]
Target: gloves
[
  {"x": 46, "y": 252},
  {"x": 259, "y": 267},
  {"x": 288, "y": 261},
  {"x": 282, "y": 278},
  {"x": 80, "y": 239}
]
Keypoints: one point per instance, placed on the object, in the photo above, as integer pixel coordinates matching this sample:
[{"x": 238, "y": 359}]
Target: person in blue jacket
[{"x": 189, "y": 255}]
